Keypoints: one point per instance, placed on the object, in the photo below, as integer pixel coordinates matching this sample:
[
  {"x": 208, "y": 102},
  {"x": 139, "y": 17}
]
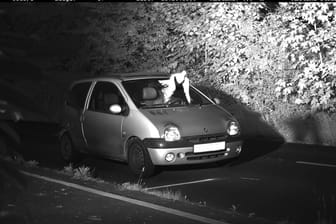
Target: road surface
[{"x": 284, "y": 183}]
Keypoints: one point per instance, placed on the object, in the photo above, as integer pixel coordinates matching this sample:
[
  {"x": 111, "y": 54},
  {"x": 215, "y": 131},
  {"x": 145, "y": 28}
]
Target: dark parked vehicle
[
  {"x": 121, "y": 117},
  {"x": 8, "y": 135}
]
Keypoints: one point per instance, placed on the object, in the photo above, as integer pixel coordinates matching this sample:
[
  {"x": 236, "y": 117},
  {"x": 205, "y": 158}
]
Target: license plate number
[{"x": 209, "y": 147}]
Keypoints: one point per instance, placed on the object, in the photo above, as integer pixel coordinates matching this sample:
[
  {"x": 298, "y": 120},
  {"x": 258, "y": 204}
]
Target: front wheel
[{"x": 139, "y": 160}]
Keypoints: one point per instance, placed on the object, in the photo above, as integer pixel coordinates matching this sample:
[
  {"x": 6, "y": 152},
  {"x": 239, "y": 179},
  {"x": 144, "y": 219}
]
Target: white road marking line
[
  {"x": 250, "y": 178},
  {"x": 179, "y": 184},
  {"x": 316, "y": 164},
  {"x": 130, "y": 200}
]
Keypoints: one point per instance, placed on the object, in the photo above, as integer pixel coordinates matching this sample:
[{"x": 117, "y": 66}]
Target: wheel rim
[
  {"x": 137, "y": 158},
  {"x": 66, "y": 148}
]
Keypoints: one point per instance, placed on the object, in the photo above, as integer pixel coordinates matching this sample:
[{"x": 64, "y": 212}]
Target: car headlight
[
  {"x": 171, "y": 133},
  {"x": 233, "y": 128}
]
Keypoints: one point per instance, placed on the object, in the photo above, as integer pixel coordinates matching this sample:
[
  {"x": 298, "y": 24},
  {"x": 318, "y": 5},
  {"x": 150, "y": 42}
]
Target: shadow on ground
[
  {"x": 254, "y": 148},
  {"x": 313, "y": 128}
]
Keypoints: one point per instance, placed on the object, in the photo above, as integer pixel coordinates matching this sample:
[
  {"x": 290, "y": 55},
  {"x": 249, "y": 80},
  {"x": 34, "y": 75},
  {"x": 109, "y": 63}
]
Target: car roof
[
  {"x": 126, "y": 76},
  {"x": 135, "y": 75}
]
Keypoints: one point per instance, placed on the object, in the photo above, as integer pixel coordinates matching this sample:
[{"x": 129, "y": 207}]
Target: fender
[{"x": 63, "y": 130}]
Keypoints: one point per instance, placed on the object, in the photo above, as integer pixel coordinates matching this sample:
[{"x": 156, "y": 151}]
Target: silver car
[{"x": 121, "y": 117}]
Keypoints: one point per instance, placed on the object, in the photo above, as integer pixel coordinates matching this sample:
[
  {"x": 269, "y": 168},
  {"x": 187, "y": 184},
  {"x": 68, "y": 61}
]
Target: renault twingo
[{"x": 127, "y": 117}]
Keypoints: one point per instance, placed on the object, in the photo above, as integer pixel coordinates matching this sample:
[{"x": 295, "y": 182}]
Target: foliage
[
  {"x": 83, "y": 172},
  {"x": 124, "y": 37},
  {"x": 166, "y": 193},
  {"x": 309, "y": 44},
  {"x": 288, "y": 51},
  {"x": 259, "y": 53},
  {"x": 31, "y": 163}
]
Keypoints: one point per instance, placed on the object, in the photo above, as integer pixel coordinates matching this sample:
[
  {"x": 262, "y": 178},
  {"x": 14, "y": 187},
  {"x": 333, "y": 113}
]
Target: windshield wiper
[{"x": 155, "y": 106}]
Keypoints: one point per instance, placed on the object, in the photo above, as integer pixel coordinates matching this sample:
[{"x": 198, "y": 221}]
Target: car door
[
  {"x": 74, "y": 109},
  {"x": 102, "y": 128}
]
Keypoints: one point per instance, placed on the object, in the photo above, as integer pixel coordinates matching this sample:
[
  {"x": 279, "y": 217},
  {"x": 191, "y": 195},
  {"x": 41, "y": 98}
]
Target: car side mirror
[
  {"x": 115, "y": 109},
  {"x": 216, "y": 100},
  {"x": 118, "y": 109}
]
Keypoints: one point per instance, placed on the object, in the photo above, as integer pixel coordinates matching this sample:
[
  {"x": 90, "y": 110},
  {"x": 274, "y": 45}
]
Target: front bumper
[{"x": 185, "y": 154}]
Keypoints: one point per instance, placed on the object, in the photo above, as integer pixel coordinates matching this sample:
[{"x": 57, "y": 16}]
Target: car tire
[
  {"x": 68, "y": 152},
  {"x": 139, "y": 160}
]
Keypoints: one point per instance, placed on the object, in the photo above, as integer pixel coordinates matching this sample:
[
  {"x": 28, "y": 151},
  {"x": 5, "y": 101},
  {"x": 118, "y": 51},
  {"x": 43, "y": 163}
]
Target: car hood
[{"x": 191, "y": 120}]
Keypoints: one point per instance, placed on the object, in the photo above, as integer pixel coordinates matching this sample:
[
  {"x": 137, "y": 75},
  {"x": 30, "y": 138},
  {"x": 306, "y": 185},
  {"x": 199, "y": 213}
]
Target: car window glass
[
  {"x": 77, "y": 95},
  {"x": 138, "y": 89},
  {"x": 197, "y": 98},
  {"x": 103, "y": 96},
  {"x": 135, "y": 89}
]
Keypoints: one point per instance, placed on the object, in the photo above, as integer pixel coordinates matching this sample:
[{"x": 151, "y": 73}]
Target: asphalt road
[
  {"x": 286, "y": 183},
  {"x": 47, "y": 202}
]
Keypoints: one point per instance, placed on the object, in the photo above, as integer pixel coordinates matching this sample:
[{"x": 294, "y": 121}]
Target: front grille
[
  {"x": 192, "y": 156},
  {"x": 205, "y": 138}
]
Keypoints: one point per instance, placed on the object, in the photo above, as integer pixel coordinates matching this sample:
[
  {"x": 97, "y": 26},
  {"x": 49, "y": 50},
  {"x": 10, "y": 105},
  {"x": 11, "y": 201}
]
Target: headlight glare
[
  {"x": 233, "y": 128},
  {"x": 170, "y": 157},
  {"x": 171, "y": 134}
]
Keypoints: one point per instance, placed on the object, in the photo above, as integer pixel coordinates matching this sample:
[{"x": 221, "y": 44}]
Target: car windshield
[{"x": 149, "y": 93}]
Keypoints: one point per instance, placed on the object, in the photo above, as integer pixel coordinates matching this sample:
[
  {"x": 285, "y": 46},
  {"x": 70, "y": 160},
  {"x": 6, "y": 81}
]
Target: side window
[
  {"x": 103, "y": 96},
  {"x": 77, "y": 95}
]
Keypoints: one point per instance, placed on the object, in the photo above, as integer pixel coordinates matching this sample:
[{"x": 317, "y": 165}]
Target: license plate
[{"x": 209, "y": 147}]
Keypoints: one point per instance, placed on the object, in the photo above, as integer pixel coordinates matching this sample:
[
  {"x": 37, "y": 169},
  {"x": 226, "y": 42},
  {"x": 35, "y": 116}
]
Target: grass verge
[
  {"x": 88, "y": 174},
  {"x": 166, "y": 193}
]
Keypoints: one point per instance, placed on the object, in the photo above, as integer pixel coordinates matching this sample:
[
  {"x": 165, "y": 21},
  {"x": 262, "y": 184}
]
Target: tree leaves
[{"x": 289, "y": 50}]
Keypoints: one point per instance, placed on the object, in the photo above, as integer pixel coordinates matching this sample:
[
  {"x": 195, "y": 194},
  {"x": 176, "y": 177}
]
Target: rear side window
[{"x": 77, "y": 95}]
